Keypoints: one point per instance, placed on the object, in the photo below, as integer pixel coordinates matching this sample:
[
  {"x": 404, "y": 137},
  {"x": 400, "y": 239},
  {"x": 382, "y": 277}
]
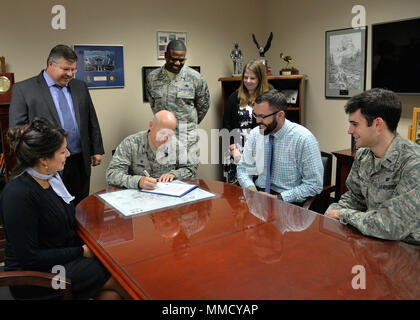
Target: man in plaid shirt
[{"x": 296, "y": 165}]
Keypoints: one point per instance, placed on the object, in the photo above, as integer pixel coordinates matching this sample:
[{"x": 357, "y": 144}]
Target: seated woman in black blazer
[
  {"x": 238, "y": 114},
  {"x": 39, "y": 218}
]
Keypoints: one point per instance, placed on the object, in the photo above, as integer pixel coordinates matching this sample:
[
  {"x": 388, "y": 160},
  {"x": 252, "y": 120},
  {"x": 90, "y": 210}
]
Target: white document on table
[
  {"x": 133, "y": 202},
  {"x": 174, "y": 189}
]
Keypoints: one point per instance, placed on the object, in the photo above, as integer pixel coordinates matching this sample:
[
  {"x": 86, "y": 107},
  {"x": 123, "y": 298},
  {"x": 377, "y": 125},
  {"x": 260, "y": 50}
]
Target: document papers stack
[{"x": 134, "y": 202}]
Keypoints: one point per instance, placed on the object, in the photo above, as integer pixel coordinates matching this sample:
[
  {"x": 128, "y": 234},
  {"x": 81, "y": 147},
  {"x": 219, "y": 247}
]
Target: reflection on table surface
[{"x": 244, "y": 245}]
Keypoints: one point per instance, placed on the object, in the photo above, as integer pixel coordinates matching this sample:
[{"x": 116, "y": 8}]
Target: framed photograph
[
  {"x": 145, "y": 72},
  {"x": 100, "y": 66},
  {"x": 164, "y": 37},
  {"x": 345, "y": 62}
]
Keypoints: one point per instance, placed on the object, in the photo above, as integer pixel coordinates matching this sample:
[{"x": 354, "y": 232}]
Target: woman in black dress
[
  {"x": 39, "y": 218},
  {"x": 238, "y": 114}
]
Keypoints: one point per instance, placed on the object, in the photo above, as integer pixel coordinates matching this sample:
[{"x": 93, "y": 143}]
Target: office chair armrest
[{"x": 33, "y": 278}]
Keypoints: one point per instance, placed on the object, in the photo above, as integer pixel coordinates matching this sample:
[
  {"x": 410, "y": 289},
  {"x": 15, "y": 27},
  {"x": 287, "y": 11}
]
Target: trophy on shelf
[
  {"x": 236, "y": 56},
  {"x": 289, "y": 69},
  {"x": 6, "y": 82},
  {"x": 262, "y": 51}
]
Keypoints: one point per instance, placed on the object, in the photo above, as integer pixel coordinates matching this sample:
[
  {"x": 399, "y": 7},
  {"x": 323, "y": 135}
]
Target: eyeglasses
[
  {"x": 72, "y": 70},
  {"x": 258, "y": 116}
]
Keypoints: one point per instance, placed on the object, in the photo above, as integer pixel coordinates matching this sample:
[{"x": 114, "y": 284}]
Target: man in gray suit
[{"x": 54, "y": 94}]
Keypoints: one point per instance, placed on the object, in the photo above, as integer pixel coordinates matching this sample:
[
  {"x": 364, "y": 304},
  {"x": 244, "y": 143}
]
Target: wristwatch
[{"x": 279, "y": 197}]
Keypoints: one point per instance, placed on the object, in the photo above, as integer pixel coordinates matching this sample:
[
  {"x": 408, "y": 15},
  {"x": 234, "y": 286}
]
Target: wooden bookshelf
[{"x": 292, "y": 82}]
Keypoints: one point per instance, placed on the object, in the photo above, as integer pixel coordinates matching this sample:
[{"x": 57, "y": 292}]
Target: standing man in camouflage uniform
[
  {"x": 184, "y": 92},
  {"x": 144, "y": 152},
  {"x": 383, "y": 200}
]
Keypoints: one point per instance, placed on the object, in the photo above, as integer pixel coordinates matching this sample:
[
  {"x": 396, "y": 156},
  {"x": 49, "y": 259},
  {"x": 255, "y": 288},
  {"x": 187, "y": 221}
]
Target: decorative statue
[
  {"x": 236, "y": 56},
  {"x": 289, "y": 69},
  {"x": 262, "y": 50},
  {"x": 287, "y": 59}
]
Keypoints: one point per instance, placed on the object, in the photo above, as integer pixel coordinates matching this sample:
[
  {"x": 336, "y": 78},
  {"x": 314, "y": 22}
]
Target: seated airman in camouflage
[
  {"x": 383, "y": 197},
  {"x": 145, "y": 153}
]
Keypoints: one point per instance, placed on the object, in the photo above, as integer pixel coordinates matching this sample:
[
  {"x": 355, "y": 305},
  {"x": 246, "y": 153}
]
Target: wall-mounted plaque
[{"x": 100, "y": 66}]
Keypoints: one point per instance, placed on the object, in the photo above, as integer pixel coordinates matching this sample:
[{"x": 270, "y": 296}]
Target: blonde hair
[{"x": 258, "y": 68}]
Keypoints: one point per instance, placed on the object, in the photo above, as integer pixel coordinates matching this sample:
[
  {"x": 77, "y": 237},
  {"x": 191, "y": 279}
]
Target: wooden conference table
[{"x": 244, "y": 245}]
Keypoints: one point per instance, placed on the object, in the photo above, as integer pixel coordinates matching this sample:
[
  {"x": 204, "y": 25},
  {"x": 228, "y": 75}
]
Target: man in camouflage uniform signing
[
  {"x": 146, "y": 153},
  {"x": 184, "y": 92},
  {"x": 383, "y": 197}
]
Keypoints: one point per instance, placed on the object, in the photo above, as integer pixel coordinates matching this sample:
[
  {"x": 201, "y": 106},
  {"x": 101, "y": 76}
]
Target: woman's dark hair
[{"x": 39, "y": 139}]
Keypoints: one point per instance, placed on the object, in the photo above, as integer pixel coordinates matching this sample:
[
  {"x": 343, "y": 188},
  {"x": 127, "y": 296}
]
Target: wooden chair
[
  {"x": 30, "y": 278},
  {"x": 38, "y": 279},
  {"x": 320, "y": 202}
]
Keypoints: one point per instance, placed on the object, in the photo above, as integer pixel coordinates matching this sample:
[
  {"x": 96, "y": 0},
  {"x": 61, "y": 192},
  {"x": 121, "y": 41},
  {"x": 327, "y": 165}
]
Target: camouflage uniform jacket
[
  {"x": 186, "y": 96},
  {"x": 383, "y": 200},
  {"x": 133, "y": 156}
]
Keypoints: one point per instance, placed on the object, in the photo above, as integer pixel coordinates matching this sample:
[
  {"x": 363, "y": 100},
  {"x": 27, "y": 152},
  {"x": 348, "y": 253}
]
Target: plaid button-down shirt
[{"x": 297, "y": 170}]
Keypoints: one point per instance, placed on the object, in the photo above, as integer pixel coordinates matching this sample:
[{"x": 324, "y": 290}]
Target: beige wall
[
  {"x": 300, "y": 32},
  {"x": 210, "y": 30},
  {"x": 298, "y": 27}
]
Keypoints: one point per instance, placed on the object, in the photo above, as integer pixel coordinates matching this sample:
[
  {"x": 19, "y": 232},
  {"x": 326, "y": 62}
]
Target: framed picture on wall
[
  {"x": 415, "y": 134},
  {"x": 145, "y": 72},
  {"x": 164, "y": 37},
  {"x": 100, "y": 66},
  {"x": 345, "y": 62}
]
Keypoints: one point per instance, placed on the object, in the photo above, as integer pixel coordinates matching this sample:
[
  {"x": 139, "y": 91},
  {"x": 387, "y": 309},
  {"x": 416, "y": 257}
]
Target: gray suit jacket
[{"x": 31, "y": 98}]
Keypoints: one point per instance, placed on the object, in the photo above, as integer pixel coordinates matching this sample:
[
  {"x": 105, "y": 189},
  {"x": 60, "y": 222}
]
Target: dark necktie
[
  {"x": 68, "y": 124},
  {"x": 269, "y": 160}
]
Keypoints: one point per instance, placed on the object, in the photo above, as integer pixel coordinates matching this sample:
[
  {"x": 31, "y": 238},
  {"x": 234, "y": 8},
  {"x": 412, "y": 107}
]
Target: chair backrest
[
  {"x": 34, "y": 278},
  {"x": 327, "y": 163},
  {"x": 320, "y": 202}
]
